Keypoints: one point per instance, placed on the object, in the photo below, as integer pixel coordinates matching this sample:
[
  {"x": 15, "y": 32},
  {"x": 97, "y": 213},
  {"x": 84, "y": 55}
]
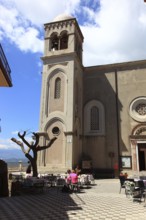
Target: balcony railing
[{"x": 4, "y": 62}]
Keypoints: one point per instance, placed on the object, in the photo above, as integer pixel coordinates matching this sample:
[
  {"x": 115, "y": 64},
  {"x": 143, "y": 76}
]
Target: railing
[{"x": 4, "y": 61}]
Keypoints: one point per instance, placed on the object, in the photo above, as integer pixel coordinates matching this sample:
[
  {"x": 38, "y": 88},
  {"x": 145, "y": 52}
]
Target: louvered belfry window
[
  {"x": 94, "y": 122},
  {"x": 57, "y": 88}
]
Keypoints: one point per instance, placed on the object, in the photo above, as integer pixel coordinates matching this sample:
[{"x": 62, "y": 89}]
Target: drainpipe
[{"x": 117, "y": 118}]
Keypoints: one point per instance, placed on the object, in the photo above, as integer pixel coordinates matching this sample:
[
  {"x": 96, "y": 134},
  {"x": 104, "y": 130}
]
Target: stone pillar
[{"x": 134, "y": 155}]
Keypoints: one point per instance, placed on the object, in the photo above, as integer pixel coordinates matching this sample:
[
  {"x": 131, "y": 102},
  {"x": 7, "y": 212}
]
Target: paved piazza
[{"x": 102, "y": 201}]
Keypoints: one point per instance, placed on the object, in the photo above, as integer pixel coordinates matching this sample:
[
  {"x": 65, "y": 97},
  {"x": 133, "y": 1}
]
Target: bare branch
[
  {"x": 28, "y": 150},
  {"x": 23, "y": 139},
  {"x": 19, "y": 143},
  {"x": 36, "y": 138},
  {"x": 47, "y": 146},
  {"x": 33, "y": 145},
  {"x": 23, "y": 135}
]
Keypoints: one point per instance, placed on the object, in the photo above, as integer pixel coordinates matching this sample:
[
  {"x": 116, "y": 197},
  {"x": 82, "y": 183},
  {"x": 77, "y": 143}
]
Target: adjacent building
[
  {"x": 98, "y": 113},
  {"x": 5, "y": 72}
]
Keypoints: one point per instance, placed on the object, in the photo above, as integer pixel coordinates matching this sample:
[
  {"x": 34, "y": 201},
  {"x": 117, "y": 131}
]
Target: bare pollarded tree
[{"x": 32, "y": 146}]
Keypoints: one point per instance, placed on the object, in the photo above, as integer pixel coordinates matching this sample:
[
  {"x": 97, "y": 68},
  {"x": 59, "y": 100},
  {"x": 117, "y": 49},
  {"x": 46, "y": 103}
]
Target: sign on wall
[
  {"x": 126, "y": 162},
  {"x": 86, "y": 164}
]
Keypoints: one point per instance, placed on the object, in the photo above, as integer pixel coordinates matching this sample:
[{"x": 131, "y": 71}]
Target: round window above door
[{"x": 138, "y": 109}]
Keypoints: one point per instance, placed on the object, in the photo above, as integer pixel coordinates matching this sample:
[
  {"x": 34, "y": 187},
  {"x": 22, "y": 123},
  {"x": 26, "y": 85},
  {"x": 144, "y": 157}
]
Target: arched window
[
  {"x": 94, "y": 119},
  {"x": 64, "y": 41},
  {"x": 57, "y": 88}
]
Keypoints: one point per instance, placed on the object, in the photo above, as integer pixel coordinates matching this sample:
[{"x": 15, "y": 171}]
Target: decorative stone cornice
[{"x": 59, "y": 24}]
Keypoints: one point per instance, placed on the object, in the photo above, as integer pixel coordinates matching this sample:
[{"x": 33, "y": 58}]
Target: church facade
[{"x": 97, "y": 113}]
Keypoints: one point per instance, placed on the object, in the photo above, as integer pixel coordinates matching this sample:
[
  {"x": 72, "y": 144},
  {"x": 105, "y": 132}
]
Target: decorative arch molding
[
  {"x": 96, "y": 129},
  {"x": 139, "y": 130},
  {"x": 52, "y": 118},
  {"x": 52, "y": 121},
  {"x": 138, "y": 135},
  {"x": 55, "y": 70},
  {"x": 54, "y": 34},
  {"x": 55, "y": 127},
  {"x": 63, "y": 32}
]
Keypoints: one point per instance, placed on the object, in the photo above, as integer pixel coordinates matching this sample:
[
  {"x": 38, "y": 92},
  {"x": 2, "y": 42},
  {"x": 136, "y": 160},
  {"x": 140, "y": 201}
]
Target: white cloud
[
  {"x": 22, "y": 21},
  {"x": 18, "y": 31},
  {"x": 15, "y": 132},
  {"x": 118, "y": 35},
  {"x": 39, "y": 12},
  {"x": 8, "y": 144},
  {"x": 28, "y": 40},
  {"x": 115, "y": 32}
]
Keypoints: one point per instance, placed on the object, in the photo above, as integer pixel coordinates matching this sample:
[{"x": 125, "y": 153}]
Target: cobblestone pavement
[{"x": 100, "y": 202}]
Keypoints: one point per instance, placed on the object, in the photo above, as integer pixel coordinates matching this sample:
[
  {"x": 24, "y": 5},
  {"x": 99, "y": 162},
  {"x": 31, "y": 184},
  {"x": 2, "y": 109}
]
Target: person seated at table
[
  {"x": 68, "y": 171},
  {"x": 68, "y": 179},
  {"x": 121, "y": 174},
  {"x": 126, "y": 175},
  {"x": 74, "y": 181},
  {"x": 73, "y": 177},
  {"x": 78, "y": 170}
]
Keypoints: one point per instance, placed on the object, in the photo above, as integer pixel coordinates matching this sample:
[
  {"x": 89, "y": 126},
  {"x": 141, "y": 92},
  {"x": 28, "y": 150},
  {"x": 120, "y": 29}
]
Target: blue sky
[{"x": 114, "y": 31}]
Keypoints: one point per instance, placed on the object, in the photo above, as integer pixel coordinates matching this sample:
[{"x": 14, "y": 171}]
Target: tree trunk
[
  {"x": 34, "y": 169},
  {"x": 34, "y": 164}
]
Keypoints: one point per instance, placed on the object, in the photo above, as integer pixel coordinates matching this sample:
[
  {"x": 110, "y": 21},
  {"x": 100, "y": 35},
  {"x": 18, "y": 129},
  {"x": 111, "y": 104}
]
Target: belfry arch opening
[
  {"x": 59, "y": 42},
  {"x": 64, "y": 41},
  {"x": 54, "y": 42}
]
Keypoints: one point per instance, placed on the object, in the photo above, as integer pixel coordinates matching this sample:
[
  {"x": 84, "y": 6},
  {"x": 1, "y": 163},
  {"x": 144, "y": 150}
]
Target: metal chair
[
  {"x": 75, "y": 187},
  {"x": 134, "y": 190},
  {"x": 129, "y": 188},
  {"x": 50, "y": 180},
  {"x": 122, "y": 182},
  {"x": 140, "y": 185},
  {"x": 60, "y": 182}
]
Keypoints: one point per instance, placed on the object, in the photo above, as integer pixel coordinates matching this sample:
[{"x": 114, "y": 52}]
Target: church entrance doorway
[{"x": 142, "y": 156}]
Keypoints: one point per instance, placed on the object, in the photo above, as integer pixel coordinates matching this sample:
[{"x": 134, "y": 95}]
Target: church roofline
[{"x": 139, "y": 64}]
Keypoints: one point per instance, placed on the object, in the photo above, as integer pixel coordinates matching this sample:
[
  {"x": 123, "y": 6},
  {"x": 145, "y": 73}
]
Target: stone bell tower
[{"x": 61, "y": 96}]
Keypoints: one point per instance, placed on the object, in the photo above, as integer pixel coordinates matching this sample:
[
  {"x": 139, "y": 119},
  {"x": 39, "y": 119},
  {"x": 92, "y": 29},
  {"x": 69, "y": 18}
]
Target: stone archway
[{"x": 138, "y": 147}]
